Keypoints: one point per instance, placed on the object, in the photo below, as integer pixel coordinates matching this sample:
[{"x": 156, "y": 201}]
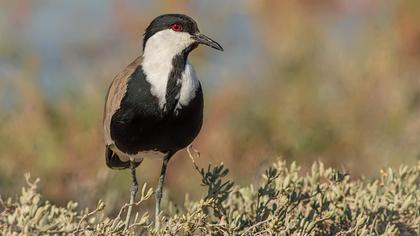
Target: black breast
[{"x": 141, "y": 125}]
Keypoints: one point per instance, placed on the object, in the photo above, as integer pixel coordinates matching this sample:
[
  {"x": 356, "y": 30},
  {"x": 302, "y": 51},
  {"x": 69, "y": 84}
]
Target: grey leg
[
  {"x": 158, "y": 192},
  {"x": 134, "y": 189}
]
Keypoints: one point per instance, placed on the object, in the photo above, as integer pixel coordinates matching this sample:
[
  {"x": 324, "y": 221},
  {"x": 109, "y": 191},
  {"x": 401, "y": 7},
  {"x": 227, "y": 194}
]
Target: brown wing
[{"x": 115, "y": 94}]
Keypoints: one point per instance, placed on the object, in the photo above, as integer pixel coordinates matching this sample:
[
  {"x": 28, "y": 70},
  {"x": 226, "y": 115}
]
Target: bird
[{"x": 155, "y": 105}]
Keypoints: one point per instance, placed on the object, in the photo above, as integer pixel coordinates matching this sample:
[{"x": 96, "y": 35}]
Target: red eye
[{"x": 176, "y": 27}]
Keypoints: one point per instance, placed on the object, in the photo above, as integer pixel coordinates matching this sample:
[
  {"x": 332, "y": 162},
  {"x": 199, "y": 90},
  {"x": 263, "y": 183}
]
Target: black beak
[{"x": 202, "y": 39}]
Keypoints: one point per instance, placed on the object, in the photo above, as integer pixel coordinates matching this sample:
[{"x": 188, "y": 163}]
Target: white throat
[{"x": 159, "y": 51}]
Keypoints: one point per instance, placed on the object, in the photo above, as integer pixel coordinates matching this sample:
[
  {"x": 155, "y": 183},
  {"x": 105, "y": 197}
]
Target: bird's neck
[{"x": 163, "y": 67}]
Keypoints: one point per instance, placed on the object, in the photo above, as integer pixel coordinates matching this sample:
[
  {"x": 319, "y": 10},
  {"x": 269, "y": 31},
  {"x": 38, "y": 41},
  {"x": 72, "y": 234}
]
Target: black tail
[{"x": 114, "y": 162}]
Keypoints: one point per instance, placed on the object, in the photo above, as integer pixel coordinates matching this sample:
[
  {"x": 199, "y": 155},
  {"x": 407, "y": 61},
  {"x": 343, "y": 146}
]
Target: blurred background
[{"x": 330, "y": 80}]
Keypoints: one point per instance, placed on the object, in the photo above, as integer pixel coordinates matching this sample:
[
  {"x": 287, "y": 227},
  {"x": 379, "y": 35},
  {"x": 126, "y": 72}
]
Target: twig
[
  {"x": 127, "y": 205},
  {"x": 121, "y": 210},
  {"x": 256, "y": 225},
  {"x": 139, "y": 223},
  {"x": 98, "y": 208},
  {"x": 192, "y": 157},
  {"x": 316, "y": 223},
  {"x": 32, "y": 185}
]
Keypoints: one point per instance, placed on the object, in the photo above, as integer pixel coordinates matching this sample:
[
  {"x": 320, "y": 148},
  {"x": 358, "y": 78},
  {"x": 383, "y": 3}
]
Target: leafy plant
[{"x": 324, "y": 201}]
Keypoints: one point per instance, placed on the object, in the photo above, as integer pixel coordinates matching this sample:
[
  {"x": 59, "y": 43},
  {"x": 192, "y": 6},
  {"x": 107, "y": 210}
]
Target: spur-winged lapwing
[{"x": 156, "y": 103}]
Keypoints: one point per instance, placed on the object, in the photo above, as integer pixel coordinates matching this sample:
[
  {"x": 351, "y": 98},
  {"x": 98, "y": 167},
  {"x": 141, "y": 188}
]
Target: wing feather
[{"x": 115, "y": 94}]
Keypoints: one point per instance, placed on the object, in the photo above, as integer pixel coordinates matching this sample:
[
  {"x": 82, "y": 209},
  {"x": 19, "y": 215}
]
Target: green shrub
[{"x": 324, "y": 201}]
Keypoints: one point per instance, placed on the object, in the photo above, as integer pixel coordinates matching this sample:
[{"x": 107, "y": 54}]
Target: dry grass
[{"x": 323, "y": 201}]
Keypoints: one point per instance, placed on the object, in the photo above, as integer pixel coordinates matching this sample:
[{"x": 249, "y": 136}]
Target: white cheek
[{"x": 158, "y": 53}]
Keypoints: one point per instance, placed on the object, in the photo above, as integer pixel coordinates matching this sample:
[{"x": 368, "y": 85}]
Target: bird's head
[{"x": 175, "y": 33}]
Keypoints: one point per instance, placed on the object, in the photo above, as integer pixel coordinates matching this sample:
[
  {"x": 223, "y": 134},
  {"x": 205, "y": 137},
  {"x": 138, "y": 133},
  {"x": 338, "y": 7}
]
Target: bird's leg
[
  {"x": 134, "y": 189},
  {"x": 158, "y": 192}
]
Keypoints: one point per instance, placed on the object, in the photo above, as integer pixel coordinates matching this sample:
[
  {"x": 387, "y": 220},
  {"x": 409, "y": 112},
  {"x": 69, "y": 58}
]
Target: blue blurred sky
[
  {"x": 89, "y": 29},
  {"x": 71, "y": 40}
]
